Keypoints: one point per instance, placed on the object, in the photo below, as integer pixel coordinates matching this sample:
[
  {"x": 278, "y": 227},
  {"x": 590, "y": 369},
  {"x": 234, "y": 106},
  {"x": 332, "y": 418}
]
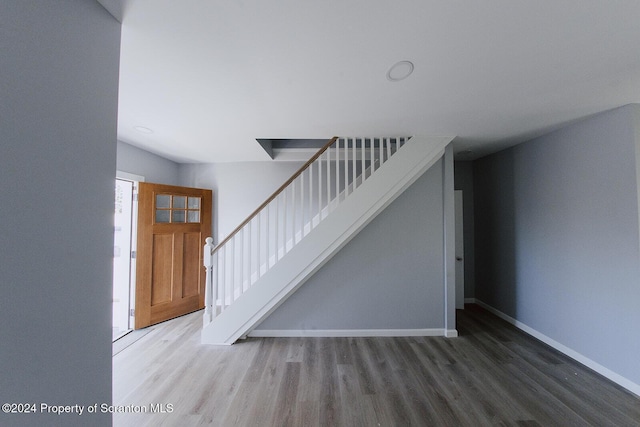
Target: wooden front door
[{"x": 173, "y": 223}]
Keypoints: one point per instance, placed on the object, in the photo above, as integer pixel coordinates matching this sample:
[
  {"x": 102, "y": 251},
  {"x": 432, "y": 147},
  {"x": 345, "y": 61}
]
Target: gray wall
[
  {"x": 464, "y": 181},
  {"x": 238, "y": 188},
  {"x": 152, "y": 167},
  {"x": 390, "y": 276},
  {"x": 58, "y": 114},
  {"x": 557, "y": 238}
]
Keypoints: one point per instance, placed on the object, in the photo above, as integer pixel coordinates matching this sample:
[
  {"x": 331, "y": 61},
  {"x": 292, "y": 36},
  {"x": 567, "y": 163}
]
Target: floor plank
[{"x": 492, "y": 374}]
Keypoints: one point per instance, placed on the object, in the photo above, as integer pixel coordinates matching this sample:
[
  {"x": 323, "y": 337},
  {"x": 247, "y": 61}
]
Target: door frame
[{"x": 135, "y": 179}]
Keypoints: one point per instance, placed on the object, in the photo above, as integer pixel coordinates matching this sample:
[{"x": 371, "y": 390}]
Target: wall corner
[{"x": 449, "y": 239}]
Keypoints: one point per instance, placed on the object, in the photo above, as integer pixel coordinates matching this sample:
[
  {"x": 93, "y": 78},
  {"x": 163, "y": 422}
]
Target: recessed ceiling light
[
  {"x": 400, "y": 71},
  {"x": 143, "y": 129}
]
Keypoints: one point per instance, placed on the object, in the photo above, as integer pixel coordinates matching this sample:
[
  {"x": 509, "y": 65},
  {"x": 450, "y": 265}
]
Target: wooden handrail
[{"x": 276, "y": 193}]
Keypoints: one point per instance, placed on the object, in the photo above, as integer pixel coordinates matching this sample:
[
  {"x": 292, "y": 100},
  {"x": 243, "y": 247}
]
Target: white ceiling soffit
[{"x": 206, "y": 78}]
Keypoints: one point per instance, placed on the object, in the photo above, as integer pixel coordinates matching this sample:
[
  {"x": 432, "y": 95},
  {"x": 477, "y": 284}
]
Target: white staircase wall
[{"x": 327, "y": 238}]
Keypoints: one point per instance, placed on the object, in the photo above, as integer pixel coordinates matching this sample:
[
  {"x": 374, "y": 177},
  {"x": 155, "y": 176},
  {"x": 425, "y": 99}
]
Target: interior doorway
[
  {"x": 459, "y": 239},
  {"x": 123, "y": 257}
]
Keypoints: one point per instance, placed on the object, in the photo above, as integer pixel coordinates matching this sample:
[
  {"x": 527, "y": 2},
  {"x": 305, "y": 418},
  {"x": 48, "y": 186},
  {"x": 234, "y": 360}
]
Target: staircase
[{"x": 303, "y": 224}]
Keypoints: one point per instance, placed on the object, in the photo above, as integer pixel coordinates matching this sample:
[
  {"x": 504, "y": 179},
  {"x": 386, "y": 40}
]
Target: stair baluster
[{"x": 287, "y": 216}]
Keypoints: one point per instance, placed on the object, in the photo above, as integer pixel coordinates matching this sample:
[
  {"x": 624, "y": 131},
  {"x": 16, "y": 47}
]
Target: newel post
[{"x": 208, "y": 284}]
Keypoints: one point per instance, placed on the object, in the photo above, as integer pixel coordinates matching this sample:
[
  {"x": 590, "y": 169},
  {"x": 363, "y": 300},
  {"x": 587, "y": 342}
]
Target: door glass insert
[
  {"x": 177, "y": 216},
  {"x": 163, "y": 201},
  {"x": 194, "y": 203},
  {"x": 163, "y": 215},
  {"x": 179, "y": 202},
  {"x": 177, "y": 209},
  {"x": 194, "y": 216}
]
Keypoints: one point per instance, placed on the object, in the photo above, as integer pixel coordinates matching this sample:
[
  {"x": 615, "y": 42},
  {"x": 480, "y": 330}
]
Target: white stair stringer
[{"x": 325, "y": 240}]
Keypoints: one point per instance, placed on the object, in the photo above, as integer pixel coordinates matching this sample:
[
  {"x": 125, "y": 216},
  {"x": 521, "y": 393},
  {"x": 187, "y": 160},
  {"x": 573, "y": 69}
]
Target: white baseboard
[
  {"x": 469, "y": 300},
  {"x": 451, "y": 333},
  {"x": 606, "y": 372},
  {"x": 352, "y": 333}
]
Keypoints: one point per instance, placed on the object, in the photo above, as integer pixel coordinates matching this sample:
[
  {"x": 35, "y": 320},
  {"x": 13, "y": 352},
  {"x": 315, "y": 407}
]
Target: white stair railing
[{"x": 288, "y": 215}]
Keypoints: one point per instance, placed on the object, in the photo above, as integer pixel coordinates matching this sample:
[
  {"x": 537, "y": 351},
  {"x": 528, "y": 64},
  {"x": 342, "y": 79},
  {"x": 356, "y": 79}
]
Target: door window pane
[
  {"x": 163, "y": 201},
  {"x": 178, "y": 216},
  {"x": 162, "y": 216},
  {"x": 194, "y": 203},
  {"x": 179, "y": 202},
  {"x": 194, "y": 216}
]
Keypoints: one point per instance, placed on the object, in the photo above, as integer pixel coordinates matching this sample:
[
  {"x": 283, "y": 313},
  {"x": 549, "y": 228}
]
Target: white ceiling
[{"x": 208, "y": 77}]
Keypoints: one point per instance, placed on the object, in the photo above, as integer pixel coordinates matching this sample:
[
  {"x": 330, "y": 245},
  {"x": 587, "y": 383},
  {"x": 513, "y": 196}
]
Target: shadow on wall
[{"x": 495, "y": 233}]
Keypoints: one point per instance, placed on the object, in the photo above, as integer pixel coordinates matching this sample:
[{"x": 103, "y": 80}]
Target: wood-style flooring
[{"x": 492, "y": 374}]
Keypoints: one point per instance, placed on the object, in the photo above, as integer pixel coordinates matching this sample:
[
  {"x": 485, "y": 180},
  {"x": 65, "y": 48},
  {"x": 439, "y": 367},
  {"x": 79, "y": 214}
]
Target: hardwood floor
[{"x": 492, "y": 374}]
